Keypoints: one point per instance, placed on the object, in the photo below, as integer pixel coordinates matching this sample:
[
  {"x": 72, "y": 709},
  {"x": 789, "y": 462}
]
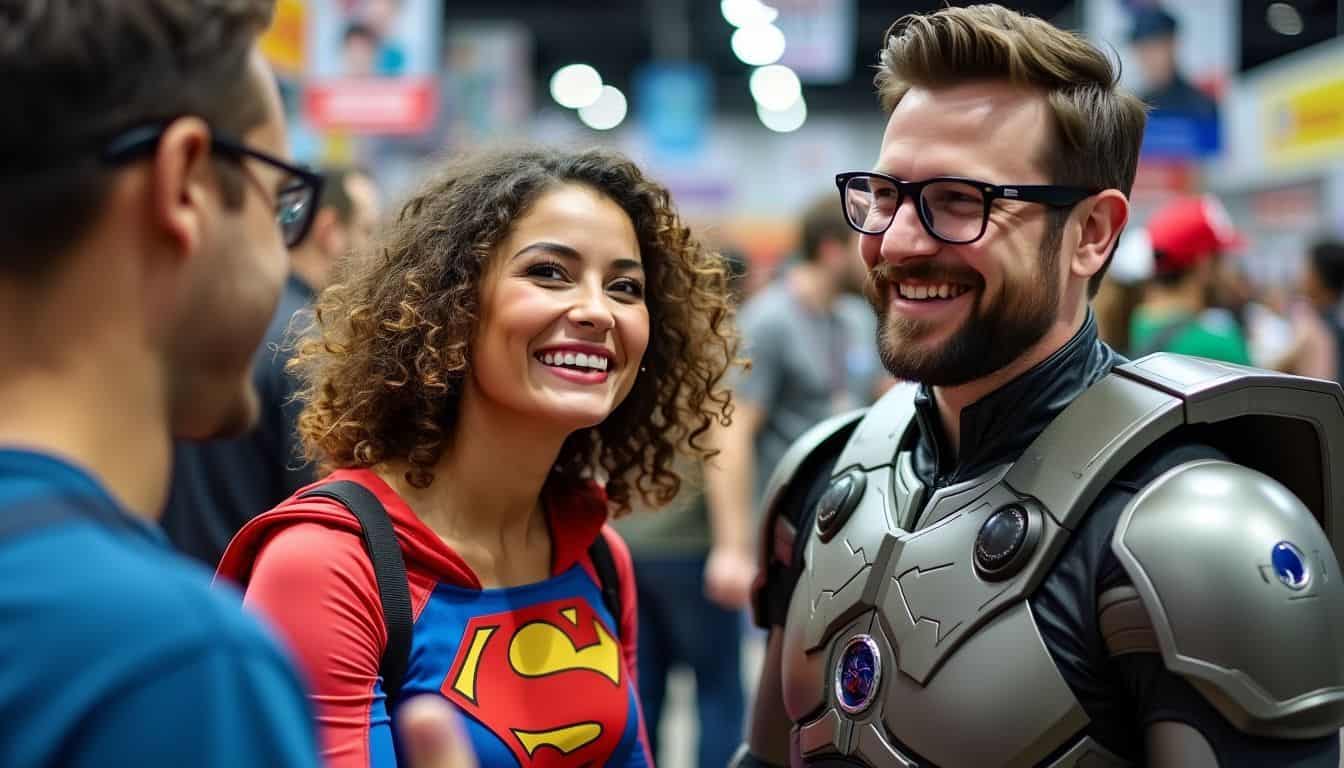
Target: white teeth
[
  {"x": 921, "y": 292},
  {"x": 576, "y": 359}
]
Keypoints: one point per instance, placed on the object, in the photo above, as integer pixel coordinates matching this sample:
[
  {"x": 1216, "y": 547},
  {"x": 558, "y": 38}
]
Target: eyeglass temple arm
[{"x": 1047, "y": 194}]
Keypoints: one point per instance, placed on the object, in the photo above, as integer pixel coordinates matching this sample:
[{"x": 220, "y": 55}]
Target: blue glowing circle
[
  {"x": 1290, "y": 565},
  {"x": 857, "y": 673}
]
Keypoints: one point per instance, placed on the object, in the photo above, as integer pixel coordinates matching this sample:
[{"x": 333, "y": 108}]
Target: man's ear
[
  {"x": 1104, "y": 216},
  {"x": 182, "y": 178}
]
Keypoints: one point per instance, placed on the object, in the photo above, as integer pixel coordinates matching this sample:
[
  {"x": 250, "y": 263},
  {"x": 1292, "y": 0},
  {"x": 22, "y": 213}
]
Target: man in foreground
[{"x": 145, "y": 207}]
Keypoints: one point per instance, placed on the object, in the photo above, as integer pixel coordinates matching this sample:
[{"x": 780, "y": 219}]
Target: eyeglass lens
[
  {"x": 953, "y": 210},
  {"x": 292, "y": 209}
]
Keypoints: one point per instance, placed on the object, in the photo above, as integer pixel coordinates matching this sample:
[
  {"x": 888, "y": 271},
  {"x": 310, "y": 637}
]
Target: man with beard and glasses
[{"x": 1039, "y": 553}]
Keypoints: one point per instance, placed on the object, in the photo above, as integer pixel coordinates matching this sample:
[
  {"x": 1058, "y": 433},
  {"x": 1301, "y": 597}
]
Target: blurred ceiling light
[
  {"x": 1284, "y": 19},
  {"x": 745, "y": 13},
  {"x": 758, "y": 44},
  {"x": 775, "y": 87},
  {"x": 786, "y": 120},
  {"x": 576, "y": 86},
  {"x": 605, "y": 113}
]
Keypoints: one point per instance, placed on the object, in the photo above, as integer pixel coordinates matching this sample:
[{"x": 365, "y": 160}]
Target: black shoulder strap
[
  {"x": 388, "y": 568},
  {"x": 607, "y": 577}
]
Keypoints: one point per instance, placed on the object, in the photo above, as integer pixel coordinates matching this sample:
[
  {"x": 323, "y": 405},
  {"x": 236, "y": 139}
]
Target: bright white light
[
  {"x": 1284, "y": 19},
  {"x": 576, "y": 86},
  {"x": 785, "y": 120},
  {"x": 605, "y": 113},
  {"x": 744, "y": 13},
  {"x": 758, "y": 44},
  {"x": 775, "y": 87}
]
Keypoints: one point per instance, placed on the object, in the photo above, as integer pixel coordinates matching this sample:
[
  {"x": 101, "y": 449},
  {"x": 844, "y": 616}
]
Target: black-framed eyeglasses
[
  {"x": 295, "y": 202},
  {"x": 952, "y": 209}
]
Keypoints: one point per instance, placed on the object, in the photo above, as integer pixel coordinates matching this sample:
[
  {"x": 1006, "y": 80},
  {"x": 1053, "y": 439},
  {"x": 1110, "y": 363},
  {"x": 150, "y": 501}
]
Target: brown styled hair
[
  {"x": 383, "y": 379},
  {"x": 1098, "y": 126},
  {"x": 76, "y": 72}
]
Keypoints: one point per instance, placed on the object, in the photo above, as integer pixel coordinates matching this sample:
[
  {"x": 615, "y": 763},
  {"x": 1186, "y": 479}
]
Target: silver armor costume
[{"x": 910, "y": 638}]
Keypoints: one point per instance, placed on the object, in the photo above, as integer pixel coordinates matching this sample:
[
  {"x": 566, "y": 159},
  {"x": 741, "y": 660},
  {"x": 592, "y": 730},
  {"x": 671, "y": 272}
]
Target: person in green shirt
[{"x": 1189, "y": 238}]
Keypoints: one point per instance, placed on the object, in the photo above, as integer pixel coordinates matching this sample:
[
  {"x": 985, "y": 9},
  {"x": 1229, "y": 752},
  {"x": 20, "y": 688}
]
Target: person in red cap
[{"x": 1189, "y": 237}]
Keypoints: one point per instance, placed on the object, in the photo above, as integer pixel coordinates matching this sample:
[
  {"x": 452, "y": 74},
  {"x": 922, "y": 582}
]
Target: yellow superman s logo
[
  {"x": 539, "y": 649},
  {"x": 512, "y": 673}
]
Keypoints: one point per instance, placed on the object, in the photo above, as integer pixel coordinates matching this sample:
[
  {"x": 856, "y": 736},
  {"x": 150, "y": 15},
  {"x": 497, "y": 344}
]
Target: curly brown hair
[{"x": 382, "y": 379}]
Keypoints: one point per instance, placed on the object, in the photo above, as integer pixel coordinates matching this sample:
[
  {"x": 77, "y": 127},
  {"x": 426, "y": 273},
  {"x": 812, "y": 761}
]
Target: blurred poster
[
  {"x": 674, "y": 107},
  {"x": 283, "y": 42},
  {"x": 1177, "y": 56},
  {"x": 1304, "y": 112},
  {"x": 486, "y": 87},
  {"x": 820, "y": 36},
  {"x": 372, "y": 65}
]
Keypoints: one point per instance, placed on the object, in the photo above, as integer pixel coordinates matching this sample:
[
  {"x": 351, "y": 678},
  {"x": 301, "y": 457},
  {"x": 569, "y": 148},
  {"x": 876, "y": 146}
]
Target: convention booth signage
[{"x": 372, "y": 65}]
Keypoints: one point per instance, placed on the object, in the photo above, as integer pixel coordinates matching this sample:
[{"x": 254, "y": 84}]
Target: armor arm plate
[
  {"x": 1236, "y": 586},
  {"x": 808, "y": 460}
]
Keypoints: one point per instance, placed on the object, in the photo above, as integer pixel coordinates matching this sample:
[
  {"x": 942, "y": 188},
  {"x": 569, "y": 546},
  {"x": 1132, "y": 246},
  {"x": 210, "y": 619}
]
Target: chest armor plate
[
  {"x": 895, "y": 603},
  {"x": 910, "y": 630}
]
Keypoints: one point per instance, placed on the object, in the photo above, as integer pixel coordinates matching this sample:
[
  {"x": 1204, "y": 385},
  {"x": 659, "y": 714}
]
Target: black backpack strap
[
  {"x": 607, "y": 577},
  {"x": 388, "y": 568}
]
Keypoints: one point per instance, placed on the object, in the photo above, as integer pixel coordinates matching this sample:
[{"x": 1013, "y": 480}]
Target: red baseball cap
[{"x": 1189, "y": 230}]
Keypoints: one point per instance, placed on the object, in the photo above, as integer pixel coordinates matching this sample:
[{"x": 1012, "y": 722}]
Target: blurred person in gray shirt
[{"x": 811, "y": 341}]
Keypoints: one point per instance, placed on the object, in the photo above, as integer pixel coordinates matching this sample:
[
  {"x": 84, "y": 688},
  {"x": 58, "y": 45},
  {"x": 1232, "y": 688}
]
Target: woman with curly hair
[{"x": 533, "y": 342}]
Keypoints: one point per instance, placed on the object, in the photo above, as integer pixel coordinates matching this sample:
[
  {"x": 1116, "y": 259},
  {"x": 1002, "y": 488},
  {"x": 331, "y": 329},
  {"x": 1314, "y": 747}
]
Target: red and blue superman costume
[{"x": 538, "y": 669}]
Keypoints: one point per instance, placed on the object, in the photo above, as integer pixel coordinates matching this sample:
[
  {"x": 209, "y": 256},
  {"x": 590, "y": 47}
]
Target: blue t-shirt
[{"x": 116, "y": 651}]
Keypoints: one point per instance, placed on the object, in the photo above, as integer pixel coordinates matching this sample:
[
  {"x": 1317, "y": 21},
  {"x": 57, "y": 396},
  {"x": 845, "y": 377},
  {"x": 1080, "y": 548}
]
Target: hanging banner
[
  {"x": 674, "y": 103},
  {"x": 1304, "y": 113},
  {"x": 486, "y": 87},
  {"x": 819, "y": 38},
  {"x": 1178, "y": 58},
  {"x": 372, "y": 65},
  {"x": 283, "y": 42}
]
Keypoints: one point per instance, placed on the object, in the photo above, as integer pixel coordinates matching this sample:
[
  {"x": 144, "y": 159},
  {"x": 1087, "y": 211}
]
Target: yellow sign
[
  {"x": 283, "y": 44},
  {"x": 1305, "y": 116}
]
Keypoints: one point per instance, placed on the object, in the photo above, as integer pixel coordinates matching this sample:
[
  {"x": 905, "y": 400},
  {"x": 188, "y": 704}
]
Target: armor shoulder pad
[
  {"x": 778, "y": 533},
  {"x": 1243, "y": 595},
  {"x": 826, "y": 434}
]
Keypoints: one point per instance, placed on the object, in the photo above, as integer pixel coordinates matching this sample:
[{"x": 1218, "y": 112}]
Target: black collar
[{"x": 999, "y": 427}]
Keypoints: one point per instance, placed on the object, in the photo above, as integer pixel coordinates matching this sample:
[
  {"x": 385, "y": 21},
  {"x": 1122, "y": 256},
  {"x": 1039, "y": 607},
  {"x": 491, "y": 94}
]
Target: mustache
[{"x": 885, "y": 274}]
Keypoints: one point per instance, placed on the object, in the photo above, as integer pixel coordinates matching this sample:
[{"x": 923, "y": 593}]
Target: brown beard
[{"x": 990, "y": 338}]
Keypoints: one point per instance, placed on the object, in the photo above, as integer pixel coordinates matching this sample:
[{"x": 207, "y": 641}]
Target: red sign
[{"x": 403, "y": 105}]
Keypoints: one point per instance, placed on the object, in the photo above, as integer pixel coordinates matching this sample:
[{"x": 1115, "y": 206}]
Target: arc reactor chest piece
[{"x": 858, "y": 670}]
